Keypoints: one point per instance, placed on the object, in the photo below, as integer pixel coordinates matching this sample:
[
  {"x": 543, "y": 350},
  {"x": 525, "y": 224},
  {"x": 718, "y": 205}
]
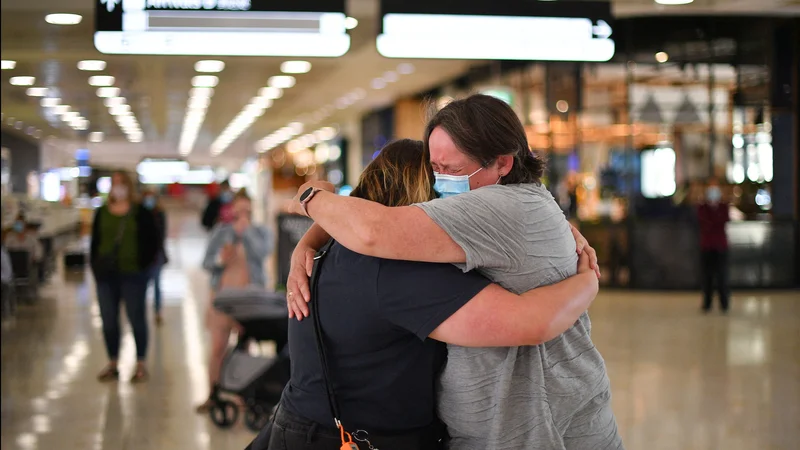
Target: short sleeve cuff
[{"x": 466, "y": 294}]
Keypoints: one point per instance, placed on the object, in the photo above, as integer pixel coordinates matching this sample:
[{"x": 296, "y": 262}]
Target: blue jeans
[
  {"x": 110, "y": 293},
  {"x": 155, "y": 277}
]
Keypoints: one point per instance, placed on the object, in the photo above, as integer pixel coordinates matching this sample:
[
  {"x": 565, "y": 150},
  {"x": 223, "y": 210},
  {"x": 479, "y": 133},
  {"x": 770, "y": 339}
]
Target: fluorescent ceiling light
[
  {"x": 350, "y": 23},
  {"x": 296, "y": 67},
  {"x": 674, "y": 2},
  {"x": 405, "y": 68},
  {"x": 63, "y": 19},
  {"x": 271, "y": 93},
  {"x": 8, "y": 64},
  {"x": 209, "y": 66},
  {"x": 662, "y": 57},
  {"x": 198, "y": 102},
  {"x": 114, "y": 101},
  {"x": 108, "y": 92},
  {"x": 92, "y": 65},
  {"x": 60, "y": 109},
  {"x": 295, "y": 127},
  {"x": 206, "y": 92},
  {"x": 36, "y": 92},
  {"x": 261, "y": 102},
  {"x": 205, "y": 81},
  {"x": 378, "y": 83},
  {"x": 101, "y": 80},
  {"x": 119, "y": 110},
  {"x": 96, "y": 136},
  {"x": 390, "y": 76},
  {"x": 281, "y": 81},
  {"x": 22, "y": 81},
  {"x": 495, "y": 38},
  {"x": 50, "y": 102}
]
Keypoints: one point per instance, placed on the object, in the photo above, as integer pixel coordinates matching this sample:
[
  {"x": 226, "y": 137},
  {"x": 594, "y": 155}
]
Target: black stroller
[{"x": 258, "y": 380}]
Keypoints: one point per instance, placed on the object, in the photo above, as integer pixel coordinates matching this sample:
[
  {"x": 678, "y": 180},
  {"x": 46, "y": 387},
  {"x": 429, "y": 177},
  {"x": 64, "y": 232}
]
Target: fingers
[
  {"x": 593, "y": 261},
  {"x": 295, "y": 306},
  {"x": 309, "y": 266}
]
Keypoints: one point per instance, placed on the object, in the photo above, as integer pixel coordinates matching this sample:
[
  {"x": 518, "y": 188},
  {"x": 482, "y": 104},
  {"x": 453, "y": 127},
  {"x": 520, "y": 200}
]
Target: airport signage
[
  {"x": 497, "y": 30},
  {"x": 305, "y": 28}
]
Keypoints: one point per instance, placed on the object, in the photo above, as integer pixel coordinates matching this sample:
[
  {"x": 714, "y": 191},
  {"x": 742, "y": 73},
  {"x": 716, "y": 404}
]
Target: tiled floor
[{"x": 681, "y": 381}]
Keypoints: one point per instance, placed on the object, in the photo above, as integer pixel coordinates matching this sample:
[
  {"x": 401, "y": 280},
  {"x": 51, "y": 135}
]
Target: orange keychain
[{"x": 347, "y": 439}]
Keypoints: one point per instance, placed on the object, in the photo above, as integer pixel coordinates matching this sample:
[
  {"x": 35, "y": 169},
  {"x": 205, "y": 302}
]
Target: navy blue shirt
[{"x": 376, "y": 315}]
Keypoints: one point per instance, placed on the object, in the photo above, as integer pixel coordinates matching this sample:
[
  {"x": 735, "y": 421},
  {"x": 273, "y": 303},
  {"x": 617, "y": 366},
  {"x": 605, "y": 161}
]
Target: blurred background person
[
  {"x": 216, "y": 203},
  {"x": 712, "y": 216},
  {"x": 24, "y": 236},
  {"x": 124, "y": 248},
  {"x": 235, "y": 259},
  {"x": 151, "y": 201}
]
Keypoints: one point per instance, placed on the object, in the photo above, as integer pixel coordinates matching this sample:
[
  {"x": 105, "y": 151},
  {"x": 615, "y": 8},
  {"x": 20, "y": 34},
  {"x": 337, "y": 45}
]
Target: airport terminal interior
[{"x": 669, "y": 131}]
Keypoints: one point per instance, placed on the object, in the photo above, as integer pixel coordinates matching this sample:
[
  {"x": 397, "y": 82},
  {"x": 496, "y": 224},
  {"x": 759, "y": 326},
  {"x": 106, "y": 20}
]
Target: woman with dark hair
[
  {"x": 125, "y": 244},
  {"x": 384, "y": 322},
  {"x": 495, "y": 217}
]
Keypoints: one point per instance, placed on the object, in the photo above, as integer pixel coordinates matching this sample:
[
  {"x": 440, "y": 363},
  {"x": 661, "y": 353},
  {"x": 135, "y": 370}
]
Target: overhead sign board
[
  {"x": 497, "y": 30},
  {"x": 222, "y": 27}
]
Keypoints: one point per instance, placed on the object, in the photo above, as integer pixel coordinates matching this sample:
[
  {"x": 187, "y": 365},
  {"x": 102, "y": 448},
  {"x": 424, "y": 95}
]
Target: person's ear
[{"x": 504, "y": 164}]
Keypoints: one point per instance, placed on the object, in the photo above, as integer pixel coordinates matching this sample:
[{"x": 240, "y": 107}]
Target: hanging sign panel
[
  {"x": 310, "y": 28},
  {"x": 497, "y": 30}
]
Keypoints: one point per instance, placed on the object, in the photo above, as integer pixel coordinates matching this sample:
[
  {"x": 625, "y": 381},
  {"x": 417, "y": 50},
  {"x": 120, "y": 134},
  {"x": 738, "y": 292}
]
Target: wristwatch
[{"x": 306, "y": 197}]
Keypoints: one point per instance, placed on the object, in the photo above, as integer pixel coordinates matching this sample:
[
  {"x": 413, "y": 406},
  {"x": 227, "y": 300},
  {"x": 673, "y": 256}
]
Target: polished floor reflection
[{"x": 681, "y": 380}]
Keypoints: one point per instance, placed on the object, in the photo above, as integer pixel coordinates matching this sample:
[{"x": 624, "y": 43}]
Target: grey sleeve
[{"x": 485, "y": 224}]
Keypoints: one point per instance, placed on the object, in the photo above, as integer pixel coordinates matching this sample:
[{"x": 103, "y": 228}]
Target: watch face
[{"x": 305, "y": 194}]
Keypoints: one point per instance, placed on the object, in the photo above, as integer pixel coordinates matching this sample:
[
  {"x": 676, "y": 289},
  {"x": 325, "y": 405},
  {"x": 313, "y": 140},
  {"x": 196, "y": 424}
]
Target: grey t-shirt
[{"x": 534, "y": 397}]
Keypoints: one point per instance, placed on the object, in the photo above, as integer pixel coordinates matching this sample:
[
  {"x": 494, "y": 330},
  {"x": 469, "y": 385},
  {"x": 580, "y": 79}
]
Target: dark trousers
[
  {"x": 155, "y": 277},
  {"x": 110, "y": 293},
  {"x": 290, "y": 432},
  {"x": 715, "y": 269}
]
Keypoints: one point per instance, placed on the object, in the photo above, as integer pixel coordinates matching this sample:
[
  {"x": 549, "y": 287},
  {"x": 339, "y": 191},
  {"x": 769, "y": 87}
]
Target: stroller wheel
[
  {"x": 224, "y": 413},
  {"x": 256, "y": 418}
]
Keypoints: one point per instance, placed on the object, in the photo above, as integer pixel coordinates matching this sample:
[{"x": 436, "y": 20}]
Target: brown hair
[
  {"x": 484, "y": 127},
  {"x": 401, "y": 175},
  {"x": 127, "y": 181},
  {"x": 241, "y": 194}
]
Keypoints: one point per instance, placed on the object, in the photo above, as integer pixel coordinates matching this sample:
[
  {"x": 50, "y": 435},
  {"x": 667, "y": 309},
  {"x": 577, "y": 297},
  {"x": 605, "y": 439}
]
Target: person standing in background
[
  {"x": 213, "y": 212},
  {"x": 125, "y": 242},
  {"x": 23, "y": 236},
  {"x": 712, "y": 215},
  {"x": 237, "y": 249},
  {"x": 151, "y": 202}
]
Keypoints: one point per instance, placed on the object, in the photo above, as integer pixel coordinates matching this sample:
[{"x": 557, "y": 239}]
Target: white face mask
[
  {"x": 119, "y": 192},
  {"x": 450, "y": 185}
]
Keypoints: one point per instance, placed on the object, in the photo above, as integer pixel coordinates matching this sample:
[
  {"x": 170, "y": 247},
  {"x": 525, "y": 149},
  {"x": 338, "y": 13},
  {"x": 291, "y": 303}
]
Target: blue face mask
[
  {"x": 450, "y": 185},
  {"x": 19, "y": 227},
  {"x": 226, "y": 197},
  {"x": 714, "y": 194},
  {"x": 149, "y": 202}
]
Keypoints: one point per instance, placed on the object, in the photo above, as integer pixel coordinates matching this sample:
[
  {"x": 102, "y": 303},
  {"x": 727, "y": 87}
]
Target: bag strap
[{"x": 319, "y": 258}]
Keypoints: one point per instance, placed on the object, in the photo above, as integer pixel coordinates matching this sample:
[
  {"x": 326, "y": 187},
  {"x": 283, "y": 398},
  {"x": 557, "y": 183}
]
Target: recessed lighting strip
[
  {"x": 197, "y": 106},
  {"x": 117, "y": 105},
  {"x": 257, "y": 105}
]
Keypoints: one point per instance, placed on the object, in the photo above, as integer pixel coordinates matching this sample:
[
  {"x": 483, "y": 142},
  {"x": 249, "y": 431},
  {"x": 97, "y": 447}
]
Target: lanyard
[{"x": 319, "y": 258}]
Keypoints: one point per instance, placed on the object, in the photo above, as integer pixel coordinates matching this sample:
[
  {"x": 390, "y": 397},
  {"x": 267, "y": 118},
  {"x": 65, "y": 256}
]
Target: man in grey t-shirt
[{"x": 551, "y": 396}]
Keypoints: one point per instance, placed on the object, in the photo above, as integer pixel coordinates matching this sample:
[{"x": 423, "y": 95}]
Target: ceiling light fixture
[
  {"x": 271, "y": 93},
  {"x": 208, "y": 81},
  {"x": 50, "y": 102},
  {"x": 101, "y": 80},
  {"x": 378, "y": 83},
  {"x": 350, "y": 23},
  {"x": 674, "y": 2},
  {"x": 22, "y": 81},
  {"x": 662, "y": 57},
  {"x": 209, "y": 66},
  {"x": 405, "y": 68},
  {"x": 295, "y": 67},
  {"x": 96, "y": 136},
  {"x": 8, "y": 64},
  {"x": 281, "y": 81},
  {"x": 108, "y": 92},
  {"x": 91, "y": 65},
  {"x": 390, "y": 76},
  {"x": 63, "y": 19},
  {"x": 60, "y": 109},
  {"x": 36, "y": 92},
  {"x": 114, "y": 101}
]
